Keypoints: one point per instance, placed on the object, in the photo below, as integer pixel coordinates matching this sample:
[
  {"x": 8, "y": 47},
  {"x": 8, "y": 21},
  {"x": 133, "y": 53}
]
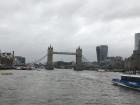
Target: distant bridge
[
  {"x": 78, "y": 55},
  {"x": 80, "y": 59}
]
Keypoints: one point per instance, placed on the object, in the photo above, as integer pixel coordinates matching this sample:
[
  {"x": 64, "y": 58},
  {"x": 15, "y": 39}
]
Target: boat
[
  {"x": 129, "y": 81},
  {"x": 101, "y": 70}
]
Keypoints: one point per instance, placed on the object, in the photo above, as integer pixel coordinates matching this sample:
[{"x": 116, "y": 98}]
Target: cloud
[
  {"x": 30, "y": 26},
  {"x": 100, "y": 10}
]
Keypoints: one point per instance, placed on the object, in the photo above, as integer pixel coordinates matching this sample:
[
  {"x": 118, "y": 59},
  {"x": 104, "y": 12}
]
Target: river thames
[{"x": 63, "y": 87}]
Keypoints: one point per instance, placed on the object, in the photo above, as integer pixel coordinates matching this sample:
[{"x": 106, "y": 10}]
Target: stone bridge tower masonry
[
  {"x": 50, "y": 65},
  {"x": 79, "y": 64}
]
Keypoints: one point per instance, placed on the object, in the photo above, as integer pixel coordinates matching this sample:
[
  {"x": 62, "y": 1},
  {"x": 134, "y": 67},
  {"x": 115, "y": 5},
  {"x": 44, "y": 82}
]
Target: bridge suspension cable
[
  {"x": 84, "y": 59},
  {"x": 40, "y": 59}
]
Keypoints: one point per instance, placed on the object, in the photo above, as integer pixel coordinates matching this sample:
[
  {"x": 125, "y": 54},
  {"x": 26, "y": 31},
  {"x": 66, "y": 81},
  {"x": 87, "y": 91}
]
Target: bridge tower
[
  {"x": 79, "y": 65},
  {"x": 50, "y": 65}
]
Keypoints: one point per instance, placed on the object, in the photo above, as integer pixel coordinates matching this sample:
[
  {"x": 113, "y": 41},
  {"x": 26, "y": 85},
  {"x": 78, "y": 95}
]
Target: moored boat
[
  {"x": 130, "y": 81},
  {"x": 101, "y": 70}
]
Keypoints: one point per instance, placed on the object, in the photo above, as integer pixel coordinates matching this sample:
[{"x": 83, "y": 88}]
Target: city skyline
[{"x": 29, "y": 27}]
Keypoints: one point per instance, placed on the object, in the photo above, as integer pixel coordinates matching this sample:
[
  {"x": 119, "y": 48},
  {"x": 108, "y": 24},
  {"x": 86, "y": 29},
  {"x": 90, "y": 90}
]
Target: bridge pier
[{"x": 50, "y": 65}]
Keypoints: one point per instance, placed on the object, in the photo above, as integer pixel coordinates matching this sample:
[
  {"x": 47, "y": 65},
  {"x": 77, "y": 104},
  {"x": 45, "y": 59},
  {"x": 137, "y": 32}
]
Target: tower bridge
[
  {"x": 80, "y": 59},
  {"x": 78, "y": 54}
]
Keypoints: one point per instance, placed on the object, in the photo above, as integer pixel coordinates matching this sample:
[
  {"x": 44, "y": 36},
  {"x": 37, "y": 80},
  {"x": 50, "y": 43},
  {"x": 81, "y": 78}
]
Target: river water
[{"x": 63, "y": 87}]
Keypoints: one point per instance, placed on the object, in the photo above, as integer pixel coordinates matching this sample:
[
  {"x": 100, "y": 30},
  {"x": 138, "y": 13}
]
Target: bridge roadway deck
[{"x": 65, "y": 53}]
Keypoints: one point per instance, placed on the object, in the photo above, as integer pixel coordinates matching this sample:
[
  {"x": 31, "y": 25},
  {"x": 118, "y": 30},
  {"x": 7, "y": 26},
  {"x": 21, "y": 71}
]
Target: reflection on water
[{"x": 63, "y": 87}]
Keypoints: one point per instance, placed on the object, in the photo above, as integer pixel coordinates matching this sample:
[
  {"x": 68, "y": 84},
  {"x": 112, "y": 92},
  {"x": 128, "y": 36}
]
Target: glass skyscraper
[{"x": 102, "y": 52}]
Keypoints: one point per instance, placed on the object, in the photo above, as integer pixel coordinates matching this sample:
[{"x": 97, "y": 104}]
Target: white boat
[{"x": 101, "y": 70}]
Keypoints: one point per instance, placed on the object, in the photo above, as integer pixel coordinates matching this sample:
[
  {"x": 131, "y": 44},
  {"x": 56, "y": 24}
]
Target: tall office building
[
  {"x": 137, "y": 41},
  {"x": 102, "y": 52}
]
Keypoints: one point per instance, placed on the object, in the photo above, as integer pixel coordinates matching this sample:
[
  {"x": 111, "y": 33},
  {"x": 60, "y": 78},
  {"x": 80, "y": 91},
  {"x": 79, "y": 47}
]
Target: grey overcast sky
[{"x": 29, "y": 26}]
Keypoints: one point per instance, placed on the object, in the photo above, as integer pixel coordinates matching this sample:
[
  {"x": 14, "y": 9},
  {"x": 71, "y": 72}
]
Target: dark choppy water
[{"x": 64, "y": 87}]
